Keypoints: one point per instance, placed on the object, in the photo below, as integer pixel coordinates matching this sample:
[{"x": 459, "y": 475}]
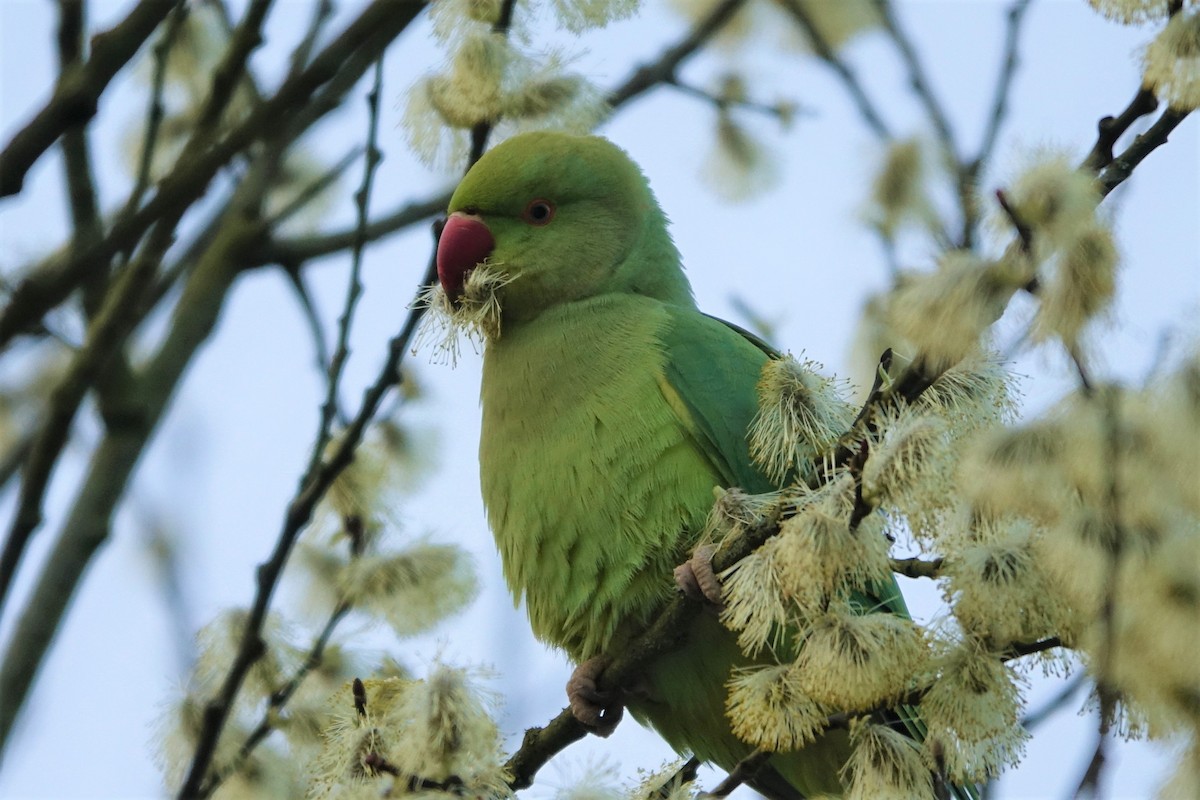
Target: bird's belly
[{"x": 593, "y": 489}]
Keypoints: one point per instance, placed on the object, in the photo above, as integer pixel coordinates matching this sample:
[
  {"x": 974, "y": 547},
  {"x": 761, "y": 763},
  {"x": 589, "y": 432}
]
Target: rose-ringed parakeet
[{"x": 612, "y": 407}]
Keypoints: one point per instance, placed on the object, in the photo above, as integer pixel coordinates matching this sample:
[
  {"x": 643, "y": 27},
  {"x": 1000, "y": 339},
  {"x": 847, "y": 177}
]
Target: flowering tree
[{"x": 1065, "y": 540}]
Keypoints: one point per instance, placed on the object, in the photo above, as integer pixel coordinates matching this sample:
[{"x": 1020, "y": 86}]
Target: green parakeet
[{"x": 612, "y": 407}]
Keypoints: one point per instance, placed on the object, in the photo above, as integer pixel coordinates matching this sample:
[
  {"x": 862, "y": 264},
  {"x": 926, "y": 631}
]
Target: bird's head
[{"x": 560, "y": 218}]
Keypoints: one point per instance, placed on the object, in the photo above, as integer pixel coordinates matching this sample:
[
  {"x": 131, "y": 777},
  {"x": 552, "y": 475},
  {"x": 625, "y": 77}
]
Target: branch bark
[
  {"x": 48, "y": 286},
  {"x": 78, "y": 91}
]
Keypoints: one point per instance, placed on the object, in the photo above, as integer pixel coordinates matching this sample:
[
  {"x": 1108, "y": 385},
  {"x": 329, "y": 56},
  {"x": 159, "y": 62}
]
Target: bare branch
[
  {"x": 1122, "y": 166},
  {"x": 662, "y": 70},
  {"x": 918, "y": 567},
  {"x": 354, "y": 286},
  {"x": 154, "y": 109},
  {"x": 368, "y": 34},
  {"x": 866, "y": 109},
  {"x": 127, "y": 432},
  {"x": 78, "y": 91},
  {"x": 743, "y": 771},
  {"x": 113, "y": 323},
  {"x": 919, "y": 81},
  {"x": 1110, "y": 129},
  {"x": 1008, "y": 70}
]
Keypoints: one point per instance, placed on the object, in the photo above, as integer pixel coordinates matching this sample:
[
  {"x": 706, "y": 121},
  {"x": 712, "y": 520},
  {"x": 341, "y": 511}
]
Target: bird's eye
[{"x": 538, "y": 212}]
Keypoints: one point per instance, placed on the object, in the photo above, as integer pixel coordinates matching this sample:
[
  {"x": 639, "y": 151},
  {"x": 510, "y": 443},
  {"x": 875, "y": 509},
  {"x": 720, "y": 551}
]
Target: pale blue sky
[{"x": 227, "y": 459}]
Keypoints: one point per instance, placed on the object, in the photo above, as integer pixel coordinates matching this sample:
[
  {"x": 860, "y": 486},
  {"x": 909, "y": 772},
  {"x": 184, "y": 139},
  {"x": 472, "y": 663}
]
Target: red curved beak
[{"x": 465, "y": 241}]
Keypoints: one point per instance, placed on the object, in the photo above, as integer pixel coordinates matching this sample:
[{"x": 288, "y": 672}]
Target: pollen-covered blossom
[
  {"x": 739, "y": 166},
  {"x": 489, "y": 79},
  {"x": 597, "y": 780},
  {"x": 411, "y": 589},
  {"x": 1081, "y": 285},
  {"x": 1157, "y": 636},
  {"x": 976, "y": 393},
  {"x": 1054, "y": 198},
  {"x": 580, "y": 15},
  {"x": 818, "y": 558},
  {"x": 800, "y": 415},
  {"x": 475, "y": 315},
  {"x": 218, "y": 643},
  {"x": 885, "y": 763},
  {"x": 1017, "y": 471},
  {"x": 999, "y": 589},
  {"x": 1172, "y": 62},
  {"x": 664, "y": 783},
  {"x": 972, "y": 712},
  {"x": 944, "y": 314},
  {"x": 858, "y": 661},
  {"x": 1131, "y": 12},
  {"x": 1184, "y": 783},
  {"x": 897, "y": 194},
  {"x": 767, "y": 709},
  {"x": 754, "y": 603},
  {"x": 910, "y": 458},
  {"x": 734, "y": 510},
  {"x": 436, "y": 729}
]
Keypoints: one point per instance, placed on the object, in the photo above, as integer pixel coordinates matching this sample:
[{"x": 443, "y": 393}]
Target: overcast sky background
[{"x": 227, "y": 458}]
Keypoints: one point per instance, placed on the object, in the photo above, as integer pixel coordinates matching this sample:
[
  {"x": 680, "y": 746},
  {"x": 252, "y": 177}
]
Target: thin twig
[
  {"x": 278, "y": 700},
  {"x": 823, "y": 50},
  {"x": 154, "y": 108},
  {"x": 919, "y": 82},
  {"x": 77, "y": 93},
  {"x": 783, "y": 112},
  {"x": 308, "y": 309},
  {"x": 81, "y": 189},
  {"x": 1004, "y": 80},
  {"x": 1035, "y": 718},
  {"x": 742, "y": 772},
  {"x": 918, "y": 567},
  {"x": 663, "y": 68},
  {"x": 109, "y": 329},
  {"x": 1089, "y": 784},
  {"x": 354, "y": 287},
  {"x": 373, "y": 29},
  {"x": 1122, "y": 166}
]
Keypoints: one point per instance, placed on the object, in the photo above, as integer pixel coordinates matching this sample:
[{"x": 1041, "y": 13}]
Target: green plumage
[{"x": 611, "y": 409}]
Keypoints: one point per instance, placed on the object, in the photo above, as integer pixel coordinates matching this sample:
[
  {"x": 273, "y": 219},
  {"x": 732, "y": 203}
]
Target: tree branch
[
  {"x": 1008, "y": 70},
  {"x": 78, "y": 91},
  {"x": 111, "y": 326},
  {"x": 743, "y": 771},
  {"x": 374, "y": 28},
  {"x": 918, "y": 567},
  {"x": 663, "y": 69},
  {"x": 1122, "y": 166},
  {"x": 919, "y": 82},
  {"x": 866, "y": 109},
  {"x": 354, "y": 286},
  {"x": 87, "y": 524}
]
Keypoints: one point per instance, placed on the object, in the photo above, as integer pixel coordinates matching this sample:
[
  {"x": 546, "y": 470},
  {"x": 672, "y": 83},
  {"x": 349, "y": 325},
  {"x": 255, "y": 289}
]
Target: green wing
[
  {"x": 711, "y": 373},
  {"x": 710, "y": 377}
]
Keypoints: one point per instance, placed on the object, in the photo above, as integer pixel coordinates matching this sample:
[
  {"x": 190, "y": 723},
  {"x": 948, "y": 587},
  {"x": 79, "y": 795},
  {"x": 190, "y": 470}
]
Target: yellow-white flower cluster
[
  {"x": 473, "y": 316},
  {"x": 800, "y": 416},
  {"x": 1072, "y": 245},
  {"x": 410, "y": 737},
  {"x": 490, "y": 80},
  {"x": 1172, "y": 62}
]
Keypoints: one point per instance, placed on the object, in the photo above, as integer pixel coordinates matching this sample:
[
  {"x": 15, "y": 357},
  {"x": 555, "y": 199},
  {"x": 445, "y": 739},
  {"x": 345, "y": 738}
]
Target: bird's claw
[
  {"x": 696, "y": 579},
  {"x": 597, "y": 709}
]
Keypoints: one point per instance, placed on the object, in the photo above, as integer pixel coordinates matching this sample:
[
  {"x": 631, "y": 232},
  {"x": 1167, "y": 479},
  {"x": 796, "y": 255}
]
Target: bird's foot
[
  {"x": 696, "y": 579},
  {"x": 597, "y": 709}
]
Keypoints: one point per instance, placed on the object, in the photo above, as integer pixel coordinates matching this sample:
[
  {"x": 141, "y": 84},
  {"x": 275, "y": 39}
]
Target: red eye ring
[{"x": 538, "y": 212}]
